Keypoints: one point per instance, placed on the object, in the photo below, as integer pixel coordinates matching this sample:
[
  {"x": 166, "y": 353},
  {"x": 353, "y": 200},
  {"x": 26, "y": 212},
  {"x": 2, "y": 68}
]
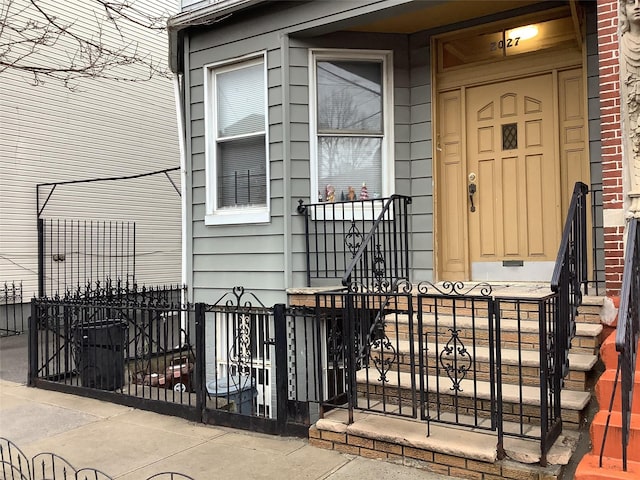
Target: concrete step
[
  {"x": 589, "y": 469},
  {"x": 448, "y": 450},
  {"x": 589, "y": 311},
  {"x": 519, "y": 401},
  {"x": 613, "y": 443},
  {"x": 520, "y": 367}
]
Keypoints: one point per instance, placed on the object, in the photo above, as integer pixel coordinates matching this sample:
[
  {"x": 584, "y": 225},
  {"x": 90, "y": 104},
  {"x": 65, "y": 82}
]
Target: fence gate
[
  {"x": 74, "y": 253},
  {"x": 252, "y": 377},
  {"x": 458, "y": 331}
]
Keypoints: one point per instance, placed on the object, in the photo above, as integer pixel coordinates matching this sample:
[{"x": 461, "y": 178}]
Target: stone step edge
[
  {"x": 509, "y": 325},
  {"x": 579, "y": 362},
  {"x": 479, "y": 446},
  {"x": 569, "y": 399},
  {"x": 498, "y": 292},
  {"x": 461, "y": 442}
]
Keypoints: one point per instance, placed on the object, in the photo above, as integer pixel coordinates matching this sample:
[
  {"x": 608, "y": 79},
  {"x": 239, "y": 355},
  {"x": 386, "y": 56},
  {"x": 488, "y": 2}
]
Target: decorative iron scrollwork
[
  {"x": 379, "y": 264},
  {"x": 455, "y": 360},
  {"x": 379, "y": 349},
  {"x": 455, "y": 288},
  {"x": 236, "y": 298},
  {"x": 353, "y": 239},
  {"x": 335, "y": 345},
  {"x": 383, "y": 355},
  {"x": 398, "y": 286},
  {"x": 240, "y": 352}
]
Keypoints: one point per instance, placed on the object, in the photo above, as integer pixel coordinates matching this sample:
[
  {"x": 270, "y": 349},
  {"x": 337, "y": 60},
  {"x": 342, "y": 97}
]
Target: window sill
[
  {"x": 238, "y": 217},
  {"x": 349, "y": 211}
]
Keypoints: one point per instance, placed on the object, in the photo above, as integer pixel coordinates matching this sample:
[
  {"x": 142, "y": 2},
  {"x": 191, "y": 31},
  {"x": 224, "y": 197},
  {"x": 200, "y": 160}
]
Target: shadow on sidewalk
[{"x": 14, "y": 358}]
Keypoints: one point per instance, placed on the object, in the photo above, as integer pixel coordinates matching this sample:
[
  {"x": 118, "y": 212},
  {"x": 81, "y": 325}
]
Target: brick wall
[{"x": 611, "y": 135}]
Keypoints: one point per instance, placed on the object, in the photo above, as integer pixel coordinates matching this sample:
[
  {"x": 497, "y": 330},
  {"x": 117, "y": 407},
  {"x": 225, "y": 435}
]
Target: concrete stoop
[
  {"x": 462, "y": 452},
  {"x": 457, "y": 452}
]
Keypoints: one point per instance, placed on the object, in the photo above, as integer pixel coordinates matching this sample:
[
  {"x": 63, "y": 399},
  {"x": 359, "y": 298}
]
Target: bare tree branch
[{"x": 47, "y": 41}]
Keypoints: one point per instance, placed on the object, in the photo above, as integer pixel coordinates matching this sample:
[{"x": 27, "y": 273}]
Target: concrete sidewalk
[{"x": 132, "y": 444}]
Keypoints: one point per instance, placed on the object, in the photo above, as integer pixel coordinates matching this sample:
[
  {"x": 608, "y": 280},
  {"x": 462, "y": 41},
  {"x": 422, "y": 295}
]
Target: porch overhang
[{"x": 383, "y": 16}]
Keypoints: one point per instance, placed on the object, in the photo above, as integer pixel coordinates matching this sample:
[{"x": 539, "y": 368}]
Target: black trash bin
[{"x": 101, "y": 347}]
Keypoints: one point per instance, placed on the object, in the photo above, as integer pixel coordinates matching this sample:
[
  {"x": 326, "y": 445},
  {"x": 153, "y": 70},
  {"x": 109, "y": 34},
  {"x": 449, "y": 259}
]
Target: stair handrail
[
  {"x": 628, "y": 330},
  {"x": 361, "y": 253},
  {"x": 575, "y": 222},
  {"x": 570, "y": 274}
]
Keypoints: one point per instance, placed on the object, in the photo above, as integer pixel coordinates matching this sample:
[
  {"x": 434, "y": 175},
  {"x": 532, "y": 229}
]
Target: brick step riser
[
  {"x": 579, "y": 381},
  {"x": 511, "y": 412},
  {"x": 428, "y": 460},
  {"x": 586, "y": 313},
  {"x": 508, "y": 340}
]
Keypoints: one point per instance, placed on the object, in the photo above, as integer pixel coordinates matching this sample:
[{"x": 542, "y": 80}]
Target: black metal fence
[
  {"x": 234, "y": 362},
  {"x": 364, "y": 241},
  {"x": 13, "y": 311},
  {"x": 15, "y": 465},
  {"x": 438, "y": 353},
  {"x": 365, "y": 363},
  {"x": 72, "y": 253}
]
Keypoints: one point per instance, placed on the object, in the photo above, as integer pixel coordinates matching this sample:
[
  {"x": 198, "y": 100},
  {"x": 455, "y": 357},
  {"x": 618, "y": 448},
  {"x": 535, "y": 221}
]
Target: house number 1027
[{"x": 502, "y": 44}]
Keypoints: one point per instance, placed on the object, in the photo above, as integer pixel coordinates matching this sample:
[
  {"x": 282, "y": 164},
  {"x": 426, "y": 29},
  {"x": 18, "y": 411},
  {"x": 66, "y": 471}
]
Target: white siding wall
[{"x": 102, "y": 129}]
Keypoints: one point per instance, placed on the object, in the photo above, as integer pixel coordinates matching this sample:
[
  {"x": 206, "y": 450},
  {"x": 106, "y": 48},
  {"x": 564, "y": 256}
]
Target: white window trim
[
  {"x": 238, "y": 215},
  {"x": 387, "y": 149}
]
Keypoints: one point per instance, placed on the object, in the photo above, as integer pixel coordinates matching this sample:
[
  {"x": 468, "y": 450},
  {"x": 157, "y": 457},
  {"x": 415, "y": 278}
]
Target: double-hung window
[
  {"x": 236, "y": 132},
  {"x": 351, "y": 124}
]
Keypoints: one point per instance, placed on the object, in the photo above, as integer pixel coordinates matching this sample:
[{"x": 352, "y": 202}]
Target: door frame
[{"x": 459, "y": 79}]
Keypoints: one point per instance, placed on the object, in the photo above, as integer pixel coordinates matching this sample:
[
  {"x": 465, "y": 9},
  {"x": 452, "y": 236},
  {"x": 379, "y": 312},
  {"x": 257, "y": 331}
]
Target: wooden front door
[
  {"x": 512, "y": 179},
  {"x": 508, "y": 154}
]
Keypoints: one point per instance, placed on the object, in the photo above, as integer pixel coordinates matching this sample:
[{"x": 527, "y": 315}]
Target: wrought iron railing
[
  {"x": 570, "y": 275},
  {"x": 13, "y": 310},
  {"x": 134, "y": 342},
  {"x": 15, "y": 465},
  {"x": 234, "y": 362},
  {"x": 628, "y": 332},
  {"x": 438, "y": 352},
  {"x": 367, "y": 355},
  {"x": 627, "y": 337},
  {"x": 74, "y": 252},
  {"x": 364, "y": 242},
  {"x": 597, "y": 281}
]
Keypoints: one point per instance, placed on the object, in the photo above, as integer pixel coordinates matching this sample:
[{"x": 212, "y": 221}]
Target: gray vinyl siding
[
  {"x": 595, "y": 145},
  {"x": 102, "y": 129},
  {"x": 300, "y": 157},
  {"x": 212, "y": 272},
  {"x": 247, "y": 255},
  {"x": 421, "y": 154},
  {"x": 269, "y": 258},
  {"x": 268, "y": 279}
]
